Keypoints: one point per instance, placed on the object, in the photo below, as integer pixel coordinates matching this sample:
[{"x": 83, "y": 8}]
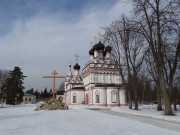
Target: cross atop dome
[
  {"x": 76, "y": 58},
  {"x": 99, "y": 35},
  {"x": 97, "y": 38}
]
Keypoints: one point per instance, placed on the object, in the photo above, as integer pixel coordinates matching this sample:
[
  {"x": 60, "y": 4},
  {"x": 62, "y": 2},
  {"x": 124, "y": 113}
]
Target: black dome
[
  {"x": 100, "y": 46},
  {"x": 95, "y": 47},
  {"x": 77, "y": 66},
  {"x": 91, "y": 52},
  {"x": 108, "y": 48}
]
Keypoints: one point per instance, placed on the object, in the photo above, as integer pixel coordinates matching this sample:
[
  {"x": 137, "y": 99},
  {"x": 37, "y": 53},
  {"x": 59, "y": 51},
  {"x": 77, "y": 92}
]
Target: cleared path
[{"x": 151, "y": 121}]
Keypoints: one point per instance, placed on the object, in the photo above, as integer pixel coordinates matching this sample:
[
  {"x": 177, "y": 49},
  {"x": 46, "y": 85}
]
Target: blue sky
[{"x": 42, "y": 35}]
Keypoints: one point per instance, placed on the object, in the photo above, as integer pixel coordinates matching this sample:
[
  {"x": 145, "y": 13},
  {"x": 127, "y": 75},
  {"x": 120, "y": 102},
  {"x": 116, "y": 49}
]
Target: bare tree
[
  {"x": 157, "y": 20},
  {"x": 117, "y": 36},
  {"x": 128, "y": 50},
  {"x": 151, "y": 68},
  {"x": 4, "y": 75}
]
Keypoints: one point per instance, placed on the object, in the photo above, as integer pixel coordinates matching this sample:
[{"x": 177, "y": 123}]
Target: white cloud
[{"x": 46, "y": 42}]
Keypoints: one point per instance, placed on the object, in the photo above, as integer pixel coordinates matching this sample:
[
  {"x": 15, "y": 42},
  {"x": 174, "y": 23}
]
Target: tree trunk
[
  {"x": 135, "y": 96},
  {"x": 167, "y": 99},
  {"x": 159, "y": 104},
  {"x": 175, "y": 107},
  {"x": 129, "y": 98}
]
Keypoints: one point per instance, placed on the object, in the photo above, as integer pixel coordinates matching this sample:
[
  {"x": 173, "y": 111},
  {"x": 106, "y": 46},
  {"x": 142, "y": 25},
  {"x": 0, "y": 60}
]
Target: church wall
[
  {"x": 67, "y": 97},
  {"x": 107, "y": 78},
  {"x": 100, "y": 78},
  {"x": 90, "y": 97},
  {"x": 86, "y": 98},
  {"x": 65, "y": 88},
  {"x": 122, "y": 97},
  {"x": 101, "y": 91},
  {"x": 112, "y": 96},
  {"x": 87, "y": 79},
  {"x": 79, "y": 97}
]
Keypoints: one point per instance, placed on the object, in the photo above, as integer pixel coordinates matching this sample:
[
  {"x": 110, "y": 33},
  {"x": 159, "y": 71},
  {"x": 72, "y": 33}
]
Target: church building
[{"x": 99, "y": 84}]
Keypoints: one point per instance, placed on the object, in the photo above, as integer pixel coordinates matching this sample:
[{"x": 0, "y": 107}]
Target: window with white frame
[
  {"x": 74, "y": 98},
  {"x": 97, "y": 96},
  {"x": 114, "y": 97}
]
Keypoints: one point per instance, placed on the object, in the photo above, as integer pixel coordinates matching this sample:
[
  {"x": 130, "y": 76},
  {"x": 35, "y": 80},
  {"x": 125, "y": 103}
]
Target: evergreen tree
[
  {"x": 14, "y": 86},
  {"x": 31, "y": 91},
  {"x": 37, "y": 94},
  {"x": 45, "y": 93}
]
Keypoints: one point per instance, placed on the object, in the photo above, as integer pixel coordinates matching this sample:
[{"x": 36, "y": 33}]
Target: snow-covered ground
[
  {"x": 149, "y": 111},
  {"x": 23, "y": 120}
]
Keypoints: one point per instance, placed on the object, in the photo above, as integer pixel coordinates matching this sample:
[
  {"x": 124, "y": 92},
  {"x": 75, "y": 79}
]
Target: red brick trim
[
  {"x": 123, "y": 104},
  {"x": 112, "y": 105},
  {"x": 100, "y": 104}
]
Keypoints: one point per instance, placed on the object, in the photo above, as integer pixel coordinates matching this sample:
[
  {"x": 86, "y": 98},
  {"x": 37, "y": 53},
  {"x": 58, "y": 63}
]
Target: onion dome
[
  {"x": 108, "y": 48},
  {"x": 77, "y": 66},
  {"x": 91, "y": 52},
  {"x": 95, "y": 47},
  {"x": 100, "y": 46}
]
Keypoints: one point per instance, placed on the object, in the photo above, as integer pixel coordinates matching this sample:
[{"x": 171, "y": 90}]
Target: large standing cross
[{"x": 54, "y": 81}]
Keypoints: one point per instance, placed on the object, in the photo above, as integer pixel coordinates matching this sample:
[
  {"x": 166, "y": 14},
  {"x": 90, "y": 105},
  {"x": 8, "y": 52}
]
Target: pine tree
[{"x": 14, "y": 87}]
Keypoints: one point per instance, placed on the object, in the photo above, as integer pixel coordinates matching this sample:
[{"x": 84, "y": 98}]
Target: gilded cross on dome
[
  {"x": 97, "y": 38},
  {"x": 99, "y": 35}
]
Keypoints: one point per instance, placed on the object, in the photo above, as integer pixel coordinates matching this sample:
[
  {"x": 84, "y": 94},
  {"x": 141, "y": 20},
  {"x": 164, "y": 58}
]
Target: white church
[{"x": 99, "y": 84}]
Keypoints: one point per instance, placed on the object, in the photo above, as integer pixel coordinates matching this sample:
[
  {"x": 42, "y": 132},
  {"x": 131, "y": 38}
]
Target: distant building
[
  {"x": 29, "y": 99},
  {"x": 100, "y": 83}
]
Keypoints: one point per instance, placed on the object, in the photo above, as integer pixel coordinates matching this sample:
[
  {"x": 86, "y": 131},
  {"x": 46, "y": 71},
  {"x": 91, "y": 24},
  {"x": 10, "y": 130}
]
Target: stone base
[{"x": 52, "y": 105}]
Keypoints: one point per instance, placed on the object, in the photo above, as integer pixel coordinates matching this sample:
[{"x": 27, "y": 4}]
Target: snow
[
  {"x": 148, "y": 111},
  {"x": 23, "y": 120}
]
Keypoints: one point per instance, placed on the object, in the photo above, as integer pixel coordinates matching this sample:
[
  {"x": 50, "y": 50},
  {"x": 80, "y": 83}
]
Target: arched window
[
  {"x": 114, "y": 97},
  {"x": 97, "y": 96},
  {"x": 74, "y": 98}
]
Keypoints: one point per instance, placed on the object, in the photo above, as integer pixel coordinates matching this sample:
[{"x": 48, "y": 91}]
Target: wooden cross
[{"x": 54, "y": 81}]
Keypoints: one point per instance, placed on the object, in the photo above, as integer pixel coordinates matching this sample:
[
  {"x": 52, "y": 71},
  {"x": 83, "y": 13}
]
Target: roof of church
[
  {"x": 78, "y": 88},
  {"x": 107, "y": 85},
  {"x": 99, "y": 46},
  {"x": 108, "y": 48},
  {"x": 60, "y": 92},
  {"x": 91, "y": 52},
  {"x": 77, "y": 66},
  {"x": 74, "y": 79}
]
